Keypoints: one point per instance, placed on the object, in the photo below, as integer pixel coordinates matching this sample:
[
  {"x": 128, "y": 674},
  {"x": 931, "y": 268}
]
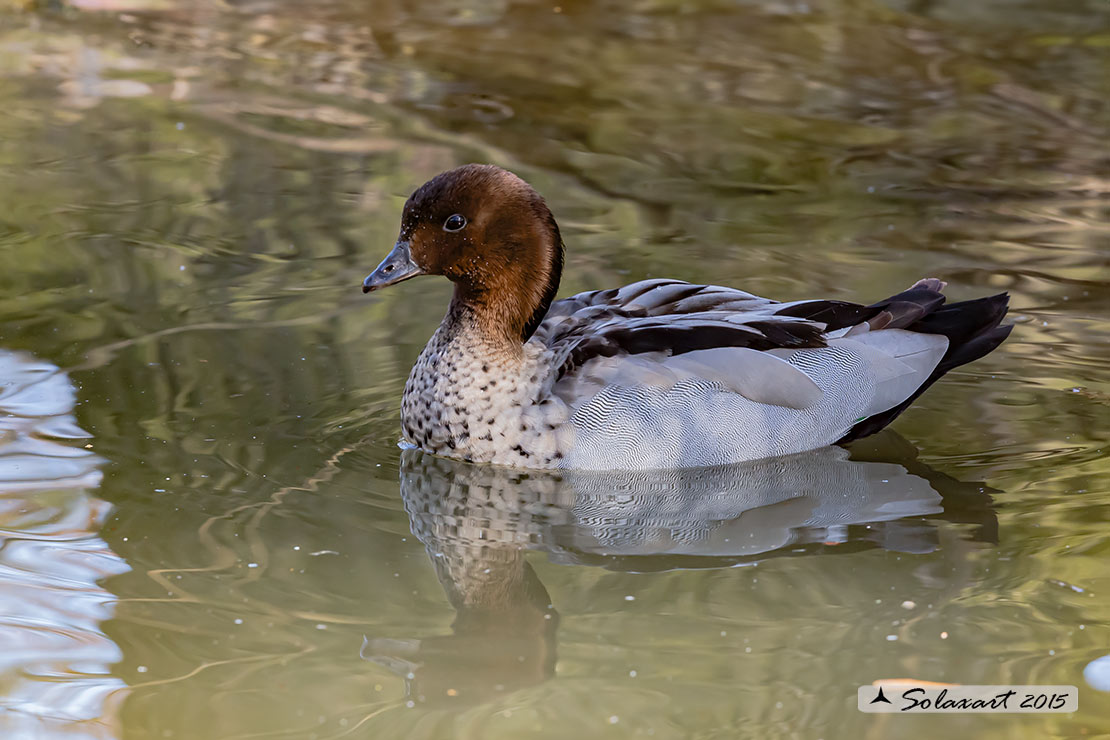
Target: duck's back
[{"x": 669, "y": 374}]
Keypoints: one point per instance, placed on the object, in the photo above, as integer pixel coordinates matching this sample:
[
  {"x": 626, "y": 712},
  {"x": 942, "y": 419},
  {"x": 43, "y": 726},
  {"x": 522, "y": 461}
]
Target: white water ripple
[{"x": 55, "y": 662}]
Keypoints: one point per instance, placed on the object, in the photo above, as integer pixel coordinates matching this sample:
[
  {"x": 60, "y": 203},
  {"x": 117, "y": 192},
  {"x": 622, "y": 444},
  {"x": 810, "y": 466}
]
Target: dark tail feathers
[{"x": 972, "y": 328}]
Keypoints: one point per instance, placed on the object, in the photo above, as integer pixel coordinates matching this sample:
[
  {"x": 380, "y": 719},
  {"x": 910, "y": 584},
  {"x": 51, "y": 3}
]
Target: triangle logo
[{"x": 881, "y": 698}]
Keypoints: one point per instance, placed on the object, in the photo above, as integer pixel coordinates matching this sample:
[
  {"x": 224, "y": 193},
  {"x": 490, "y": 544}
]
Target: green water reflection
[{"x": 191, "y": 193}]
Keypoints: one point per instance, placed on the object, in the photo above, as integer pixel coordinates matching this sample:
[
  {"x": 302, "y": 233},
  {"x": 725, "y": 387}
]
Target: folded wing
[{"x": 665, "y": 373}]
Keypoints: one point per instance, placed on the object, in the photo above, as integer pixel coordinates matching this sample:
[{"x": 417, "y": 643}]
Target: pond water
[{"x": 207, "y": 529}]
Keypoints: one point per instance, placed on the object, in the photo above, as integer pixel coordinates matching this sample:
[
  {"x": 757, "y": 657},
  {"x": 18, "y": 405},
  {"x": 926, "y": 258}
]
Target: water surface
[{"x": 207, "y": 529}]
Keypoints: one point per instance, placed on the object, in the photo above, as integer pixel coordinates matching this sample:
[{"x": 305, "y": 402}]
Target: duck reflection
[{"x": 477, "y": 523}]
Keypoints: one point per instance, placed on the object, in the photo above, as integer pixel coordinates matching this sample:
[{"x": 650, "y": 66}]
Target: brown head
[{"x": 492, "y": 235}]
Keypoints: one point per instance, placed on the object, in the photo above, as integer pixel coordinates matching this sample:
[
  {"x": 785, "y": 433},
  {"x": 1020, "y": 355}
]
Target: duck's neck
[
  {"x": 506, "y": 299},
  {"x": 477, "y": 375},
  {"x": 469, "y": 384},
  {"x": 479, "y": 328}
]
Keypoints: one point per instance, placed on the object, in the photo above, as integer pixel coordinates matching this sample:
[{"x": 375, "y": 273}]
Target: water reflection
[
  {"x": 477, "y": 522},
  {"x": 55, "y": 661},
  {"x": 189, "y": 194}
]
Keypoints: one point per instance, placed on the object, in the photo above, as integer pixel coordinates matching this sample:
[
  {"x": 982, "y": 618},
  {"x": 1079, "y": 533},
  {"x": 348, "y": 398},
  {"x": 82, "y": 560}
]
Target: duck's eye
[{"x": 454, "y": 222}]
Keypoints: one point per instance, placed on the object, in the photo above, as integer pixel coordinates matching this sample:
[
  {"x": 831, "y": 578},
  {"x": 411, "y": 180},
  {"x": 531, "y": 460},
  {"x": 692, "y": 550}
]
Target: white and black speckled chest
[{"x": 469, "y": 398}]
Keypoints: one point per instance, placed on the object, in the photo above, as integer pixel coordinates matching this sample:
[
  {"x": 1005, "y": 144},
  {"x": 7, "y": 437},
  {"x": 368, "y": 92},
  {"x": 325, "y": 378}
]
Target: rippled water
[{"x": 234, "y": 547}]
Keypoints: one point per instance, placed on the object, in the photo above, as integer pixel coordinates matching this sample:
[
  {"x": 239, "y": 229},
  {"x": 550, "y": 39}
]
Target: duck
[{"x": 657, "y": 374}]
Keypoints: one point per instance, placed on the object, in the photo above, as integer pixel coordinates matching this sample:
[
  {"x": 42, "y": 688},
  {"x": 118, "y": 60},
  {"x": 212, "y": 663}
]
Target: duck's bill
[{"x": 396, "y": 266}]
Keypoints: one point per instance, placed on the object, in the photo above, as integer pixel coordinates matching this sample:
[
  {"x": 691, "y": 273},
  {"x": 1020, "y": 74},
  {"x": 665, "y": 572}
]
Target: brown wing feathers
[
  {"x": 905, "y": 309},
  {"x": 669, "y": 316},
  {"x": 613, "y": 322}
]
